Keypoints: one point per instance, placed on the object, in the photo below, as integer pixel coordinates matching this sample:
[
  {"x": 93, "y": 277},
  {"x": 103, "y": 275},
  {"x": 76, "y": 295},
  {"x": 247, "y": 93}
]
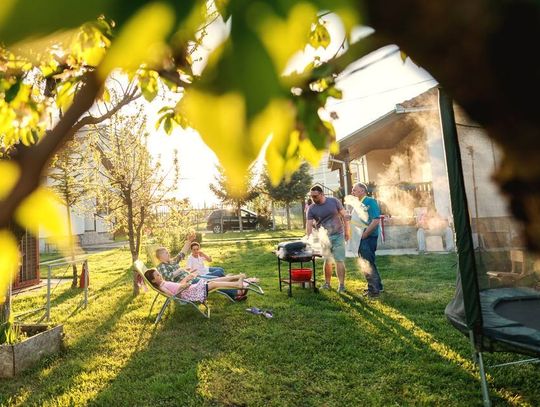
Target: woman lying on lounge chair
[{"x": 198, "y": 291}]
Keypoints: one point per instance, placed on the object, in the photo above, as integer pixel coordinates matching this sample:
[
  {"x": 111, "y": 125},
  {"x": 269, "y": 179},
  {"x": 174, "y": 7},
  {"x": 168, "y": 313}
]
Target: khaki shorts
[{"x": 337, "y": 248}]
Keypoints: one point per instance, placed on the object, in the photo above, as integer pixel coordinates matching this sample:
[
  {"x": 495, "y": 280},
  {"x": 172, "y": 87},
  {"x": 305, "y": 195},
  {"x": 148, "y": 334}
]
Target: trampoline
[
  {"x": 496, "y": 306},
  {"x": 510, "y": 320}
]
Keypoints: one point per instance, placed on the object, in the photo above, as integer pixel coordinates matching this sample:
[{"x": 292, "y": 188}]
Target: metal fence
[{"x": 45, "y": 310}]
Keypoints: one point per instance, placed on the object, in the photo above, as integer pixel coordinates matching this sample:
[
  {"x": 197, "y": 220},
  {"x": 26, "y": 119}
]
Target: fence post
[{"x": 48, "y": 306}]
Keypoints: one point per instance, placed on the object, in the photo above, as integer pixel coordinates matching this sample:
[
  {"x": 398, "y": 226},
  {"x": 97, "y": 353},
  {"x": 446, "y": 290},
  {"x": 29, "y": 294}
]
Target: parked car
[{"x": 222, "y": 220}]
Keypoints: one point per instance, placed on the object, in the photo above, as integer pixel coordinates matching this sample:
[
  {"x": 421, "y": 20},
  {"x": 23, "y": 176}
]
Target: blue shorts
[{"x": 337, "y": 247}]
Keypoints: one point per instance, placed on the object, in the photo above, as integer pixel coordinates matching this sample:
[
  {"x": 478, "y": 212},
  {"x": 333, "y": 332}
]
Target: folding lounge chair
[
  {"x": 151, "y": 257},
  {"x": 140, "y": 267}
]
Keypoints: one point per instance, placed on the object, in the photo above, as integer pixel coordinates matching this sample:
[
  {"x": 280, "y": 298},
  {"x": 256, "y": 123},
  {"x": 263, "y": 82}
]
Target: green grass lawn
[
  {"x": 58, "y": 268},
  {"x": 49, "y": 256},
  {"x": 319, "y": 349}
]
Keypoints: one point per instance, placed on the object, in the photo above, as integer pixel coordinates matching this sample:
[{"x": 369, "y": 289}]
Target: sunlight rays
[{"x": 427, "y": 339}]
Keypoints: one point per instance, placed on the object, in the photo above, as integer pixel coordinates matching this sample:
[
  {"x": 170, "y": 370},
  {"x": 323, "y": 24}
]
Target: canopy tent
[{"x": 497, "y": 298}]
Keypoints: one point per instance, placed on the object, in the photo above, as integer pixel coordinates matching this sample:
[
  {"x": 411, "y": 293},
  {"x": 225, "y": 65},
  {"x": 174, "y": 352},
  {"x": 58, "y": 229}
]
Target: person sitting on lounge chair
[
  {"x": 195, "y": 292},
  {"x": 196, "y": 261},
  {"x": 170, "y": 270}
]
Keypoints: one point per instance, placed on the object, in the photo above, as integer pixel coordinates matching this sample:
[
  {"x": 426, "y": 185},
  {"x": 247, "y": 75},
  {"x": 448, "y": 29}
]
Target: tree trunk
[
  {"x": 273, "y": 216},
  {"x": 131, "y": 238},
  {"x": 240, "y": 226},
  {"x": 5, "y": 308},
  {"x": 71, "y": 247},
  {"x": 138, "y": 234},
  {"x": 288, "y": 210},
  {"x": 303, "y": 206}
]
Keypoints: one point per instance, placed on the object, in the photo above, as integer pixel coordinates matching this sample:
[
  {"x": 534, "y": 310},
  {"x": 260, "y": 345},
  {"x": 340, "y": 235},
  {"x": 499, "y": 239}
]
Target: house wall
[
  {"x": 431, "y": 126},
  {"x": 324, "y": 176},
  {"x": 476, "y": 147},
  {"x": 82, "y": 226},
  {"x": 377, "y": 161},
  {"x": 484, "y": 198},
  {"x": 407, "y": 162},
  {"x": 418, "y": 158}
]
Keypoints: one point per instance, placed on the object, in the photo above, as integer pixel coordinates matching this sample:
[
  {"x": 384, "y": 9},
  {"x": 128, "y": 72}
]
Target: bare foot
[{"x": 252, "y": 280}]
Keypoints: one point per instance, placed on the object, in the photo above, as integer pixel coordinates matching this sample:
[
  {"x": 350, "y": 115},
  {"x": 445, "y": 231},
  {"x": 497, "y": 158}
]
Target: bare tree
[{"x": 130, "y": 185}]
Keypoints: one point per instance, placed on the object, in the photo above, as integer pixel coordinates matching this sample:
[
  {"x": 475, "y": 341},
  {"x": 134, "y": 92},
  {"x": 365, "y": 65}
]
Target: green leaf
[
  {"x": 49, "y": 69},
  {"x": 403, "y": 56},
  {"x": 141, "y": 40},
  {"x": 335, "y": 92},
  {"x": 65, "y": 94},
  {"x": 106, "y": 96},
  {"x": 9, "y": 259},
  {"x": 159, "y": 121},
  {"x": 12, "y": 92},
  {"x": 319, "y": 36},
  {"x": 168, "y": 126},
  {"x": 148, "y": 83},
  {"x": 221, "y": 6},
  {"x": 170, "y": 84},
  {"x": 46, "y": 17},
  {"x": 165, "y": 109}
]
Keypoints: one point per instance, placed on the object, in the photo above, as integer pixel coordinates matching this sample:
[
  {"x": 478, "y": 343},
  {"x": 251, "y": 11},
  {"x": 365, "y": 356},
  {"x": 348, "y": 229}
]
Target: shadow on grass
[
  {"x": 66, "y": 366},
  {"x": 421, "y": 337},
  {"x": 319, "y": 349},
  {"x": 241, "y": 359},
  {"x": 164, "y": 369}
]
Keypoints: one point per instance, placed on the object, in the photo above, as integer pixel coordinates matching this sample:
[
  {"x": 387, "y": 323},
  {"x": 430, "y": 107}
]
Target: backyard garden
[{"x": 318, "y": 349}]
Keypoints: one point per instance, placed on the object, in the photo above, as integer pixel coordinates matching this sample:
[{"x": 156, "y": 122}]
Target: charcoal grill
[{"x": 296, "y": 252}]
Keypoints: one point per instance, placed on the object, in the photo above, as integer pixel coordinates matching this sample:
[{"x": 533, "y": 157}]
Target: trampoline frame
[
  {"x": 478, "y": 358},
  {"x": 465, "y": 248}
]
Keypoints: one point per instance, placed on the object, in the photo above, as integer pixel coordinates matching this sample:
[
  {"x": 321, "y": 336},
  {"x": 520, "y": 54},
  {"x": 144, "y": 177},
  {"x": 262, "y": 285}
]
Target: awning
[{"x": 384, "y": 133}]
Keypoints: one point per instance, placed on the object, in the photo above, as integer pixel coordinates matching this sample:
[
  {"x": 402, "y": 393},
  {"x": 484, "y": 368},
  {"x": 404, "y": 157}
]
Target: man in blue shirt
[
  {"x": 368, "y": 244},
  {"x": 328, "y": 213}
]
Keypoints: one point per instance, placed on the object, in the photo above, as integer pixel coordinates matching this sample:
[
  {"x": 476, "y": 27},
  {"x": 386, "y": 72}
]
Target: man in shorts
[{"x": 328, "y": 213}]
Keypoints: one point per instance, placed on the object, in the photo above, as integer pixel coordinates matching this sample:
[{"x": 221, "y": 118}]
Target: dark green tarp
[{"x": 467, "y": 292}]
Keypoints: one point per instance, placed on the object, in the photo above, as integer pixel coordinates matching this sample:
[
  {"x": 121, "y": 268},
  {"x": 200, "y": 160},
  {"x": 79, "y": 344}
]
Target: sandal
[
  {"x": 253, "y": 286},
  {"x": 254, "y": 310},
  {"x": 268, "y": 313}
]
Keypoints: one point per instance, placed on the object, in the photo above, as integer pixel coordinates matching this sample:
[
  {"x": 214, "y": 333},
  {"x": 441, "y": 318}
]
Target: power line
[{"x": 384, "y": 91}]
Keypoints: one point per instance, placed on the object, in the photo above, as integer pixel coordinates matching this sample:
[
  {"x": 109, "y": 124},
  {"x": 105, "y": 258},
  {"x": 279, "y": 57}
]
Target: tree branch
[
  {"x": 90, "y": 120},
  {"x": 33, "y": 159}
]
